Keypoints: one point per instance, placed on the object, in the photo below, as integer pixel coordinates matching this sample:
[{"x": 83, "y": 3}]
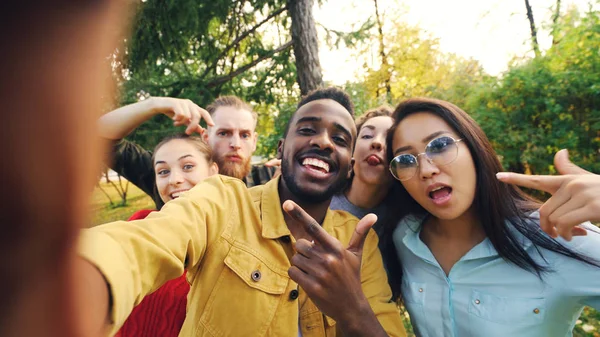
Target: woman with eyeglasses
[{"x": 470, "y": 258}]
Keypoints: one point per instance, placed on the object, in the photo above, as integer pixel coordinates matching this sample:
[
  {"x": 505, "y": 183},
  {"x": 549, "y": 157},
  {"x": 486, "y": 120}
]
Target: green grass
[{"x": 103, "y": 212}]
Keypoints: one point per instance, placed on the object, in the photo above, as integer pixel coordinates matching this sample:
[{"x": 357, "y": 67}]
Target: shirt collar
[
  {"x": 273, "y": 222},
  {"x": 484, "y": 249}
]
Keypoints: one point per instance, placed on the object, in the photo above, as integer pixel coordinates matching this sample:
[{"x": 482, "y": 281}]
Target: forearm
[
  {"x": 92, "y": 299},
  {"x": 120, "y": 122}
]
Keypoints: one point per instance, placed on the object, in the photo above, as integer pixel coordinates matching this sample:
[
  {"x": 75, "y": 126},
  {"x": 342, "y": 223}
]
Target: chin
[{"x": 449, "y": 214}]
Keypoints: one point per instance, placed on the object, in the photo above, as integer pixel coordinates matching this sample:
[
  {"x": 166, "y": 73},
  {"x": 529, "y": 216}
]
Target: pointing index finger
[
  {"x": 548, "y": 184},
  {"x": 206, "y": 116},
  {"x": 311, "y": 226}
]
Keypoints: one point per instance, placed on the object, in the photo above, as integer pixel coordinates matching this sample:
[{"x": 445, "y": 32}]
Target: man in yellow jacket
[{"x": 272, "y": 260}]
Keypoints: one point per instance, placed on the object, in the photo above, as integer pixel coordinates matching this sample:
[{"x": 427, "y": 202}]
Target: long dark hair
[{"x": 495, "y": 203}]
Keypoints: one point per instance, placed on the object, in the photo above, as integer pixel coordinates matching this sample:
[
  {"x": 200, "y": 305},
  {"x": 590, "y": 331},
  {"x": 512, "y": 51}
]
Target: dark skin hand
[{"x": 330, "y": 273}]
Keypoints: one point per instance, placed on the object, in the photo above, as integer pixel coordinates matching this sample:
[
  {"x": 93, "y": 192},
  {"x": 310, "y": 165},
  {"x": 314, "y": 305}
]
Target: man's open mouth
[{"x": 315, "y": 164}]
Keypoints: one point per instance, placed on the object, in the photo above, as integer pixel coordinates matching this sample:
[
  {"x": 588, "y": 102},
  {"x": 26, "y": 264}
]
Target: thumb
[
  {"x": 357, "y": 240},
  {"x": 565, "y": 166}
]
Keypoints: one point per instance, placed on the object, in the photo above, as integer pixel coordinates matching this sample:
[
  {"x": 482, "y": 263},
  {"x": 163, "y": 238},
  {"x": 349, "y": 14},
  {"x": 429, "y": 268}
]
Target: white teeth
[
  {"x": 437, "y": 189},
  {"x": 176, "y": 194},
  {"x": 317, "y": 163}
]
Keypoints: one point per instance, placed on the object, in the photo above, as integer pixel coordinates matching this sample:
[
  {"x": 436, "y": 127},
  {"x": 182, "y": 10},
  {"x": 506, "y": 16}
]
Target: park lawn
[{"x": 103, "y": 212}]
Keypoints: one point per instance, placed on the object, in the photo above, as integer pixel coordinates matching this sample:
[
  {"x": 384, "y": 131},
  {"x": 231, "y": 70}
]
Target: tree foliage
[
  {"x": 414, "y": 66},
  {"x": 202, "y": 49},
  {"x": 547, "y": 103}
]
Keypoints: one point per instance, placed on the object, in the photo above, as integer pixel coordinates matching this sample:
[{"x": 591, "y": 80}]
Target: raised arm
[{"x": 120, "y": 122}]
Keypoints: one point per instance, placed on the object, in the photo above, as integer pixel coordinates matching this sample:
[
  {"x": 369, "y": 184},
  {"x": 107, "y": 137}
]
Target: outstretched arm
[
  {"x": 130, "y": 260},
  {"x": 120, "y": 122}
]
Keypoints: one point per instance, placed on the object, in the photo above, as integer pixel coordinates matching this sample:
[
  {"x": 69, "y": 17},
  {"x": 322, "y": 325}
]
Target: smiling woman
[
  {"x": 473, "y": 244},
  {"x": 181, "y": 162}
]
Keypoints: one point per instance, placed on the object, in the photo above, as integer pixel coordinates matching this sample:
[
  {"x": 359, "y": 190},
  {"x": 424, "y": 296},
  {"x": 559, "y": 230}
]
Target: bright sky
[{"x": 491, "y": 31}]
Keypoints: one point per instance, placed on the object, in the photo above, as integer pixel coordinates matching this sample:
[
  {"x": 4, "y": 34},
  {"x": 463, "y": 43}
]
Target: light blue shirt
[{"x": 484, "y": 295}]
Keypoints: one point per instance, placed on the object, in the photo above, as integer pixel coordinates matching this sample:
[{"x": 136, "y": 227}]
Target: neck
[
  {"x": 466, "y": 228},
  {"x": 316, "y": 210},
  {"x": 365, "y": 195}
]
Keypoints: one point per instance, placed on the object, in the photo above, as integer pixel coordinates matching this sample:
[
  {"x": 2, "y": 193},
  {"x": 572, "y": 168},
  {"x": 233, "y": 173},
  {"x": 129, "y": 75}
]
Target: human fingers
[
  {"x": 549, "y": 207},
  {"x": 194, "y": 121},
  {"x": 307, "y": 265},
  {"x": 305, "y": 248},
  {"x": 273, "y": 163},
  {"x": 303, "y": 279},
  {"x": 543, "y": 183},
  {"x": 205, "y": 115},
  {"x": 579, "y": 231},
  {"x": 568, "y": 223},
  {"x": 564, "y": 165},
  {"x": 361, "y": 230},
  {"x": 311, "y": 226}
]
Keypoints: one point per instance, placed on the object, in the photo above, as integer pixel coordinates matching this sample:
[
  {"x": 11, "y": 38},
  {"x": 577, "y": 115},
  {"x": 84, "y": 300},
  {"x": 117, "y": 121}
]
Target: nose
[
  {"x": 427, "y": 168},
  {"x": 235, "y": 142},
  {"x": 176, "y": 177},
  {"x": 377, "y": 143},
  {"x": 322, "y": 141}
]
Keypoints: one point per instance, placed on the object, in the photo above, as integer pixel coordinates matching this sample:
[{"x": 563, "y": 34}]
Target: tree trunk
[
  {"x": 385, "y": 65},
  {"x": 555, "y": 21},
  {"x": 306, "y": 48},
  {"x": 536, "y": 47}
]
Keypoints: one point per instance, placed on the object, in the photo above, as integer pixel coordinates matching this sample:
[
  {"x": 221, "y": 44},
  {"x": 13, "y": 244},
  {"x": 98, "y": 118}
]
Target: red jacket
[{"x": 160, "y": 314}]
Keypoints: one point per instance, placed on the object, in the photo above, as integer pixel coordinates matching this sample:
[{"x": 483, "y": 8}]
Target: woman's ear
[
  {"x": 213, "y": 169},
  {"x": 280, "y": 149}
]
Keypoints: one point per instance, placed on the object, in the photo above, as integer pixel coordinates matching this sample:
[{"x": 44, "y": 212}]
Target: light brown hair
[
  {"x": 231, "y": 101},
  {"x": 383, "y": 110},
  {"x": 196, "y": 141}
]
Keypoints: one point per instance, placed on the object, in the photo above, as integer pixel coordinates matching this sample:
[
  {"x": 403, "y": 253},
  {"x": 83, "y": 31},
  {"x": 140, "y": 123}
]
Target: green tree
[
  {"x": 547, "y": 103},
  {"x": 200, "y": 50},
  {"x": 411, "y": 64}
]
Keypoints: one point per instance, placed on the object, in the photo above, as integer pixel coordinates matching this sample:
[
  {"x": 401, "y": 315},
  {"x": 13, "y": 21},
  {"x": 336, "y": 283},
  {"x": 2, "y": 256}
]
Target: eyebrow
[
  {"x": 343, "y": 129},
  {"x": 424, "y": 140},
  {"x": 182, "y": 157},
  {"x": 308, "y": 119},
  {"x": 318, "y": 119},
  {"x": 372, "y": 127},
  {"x": 233, "y": 129}
]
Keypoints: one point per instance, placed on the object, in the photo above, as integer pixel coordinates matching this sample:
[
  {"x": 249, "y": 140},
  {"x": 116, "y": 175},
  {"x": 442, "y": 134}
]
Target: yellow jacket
[{"x": 236, "y": 247}]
